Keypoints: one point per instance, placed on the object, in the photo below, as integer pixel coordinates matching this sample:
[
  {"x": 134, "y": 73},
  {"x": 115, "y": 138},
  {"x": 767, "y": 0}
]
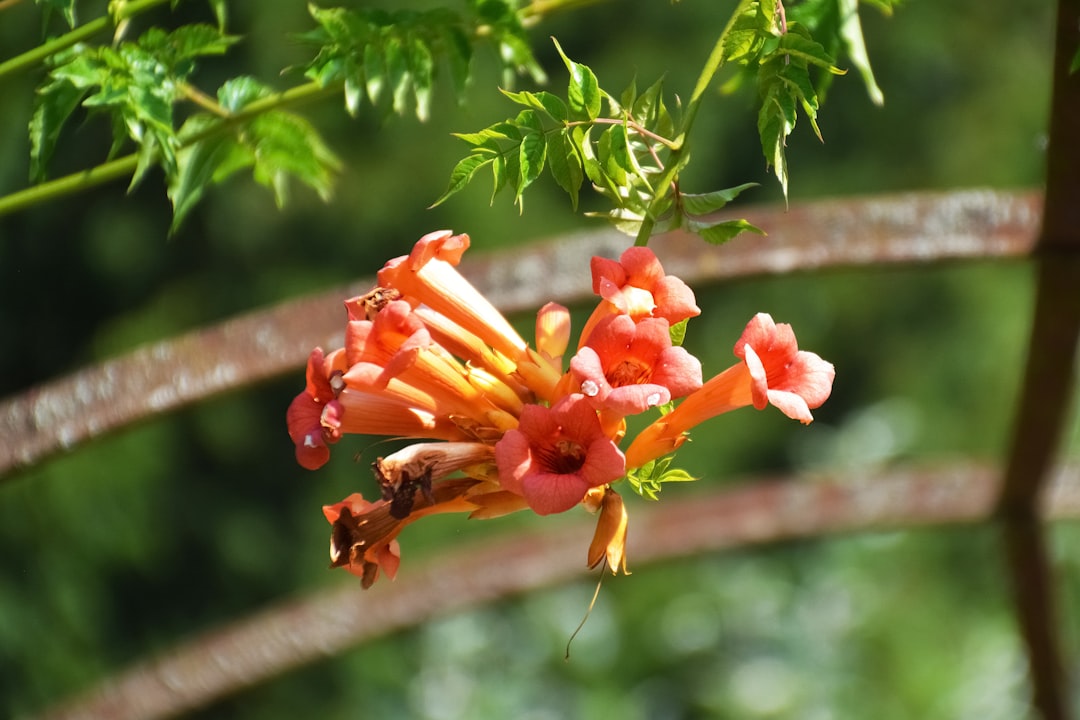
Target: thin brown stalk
[{"x": 1049, "y": 376}]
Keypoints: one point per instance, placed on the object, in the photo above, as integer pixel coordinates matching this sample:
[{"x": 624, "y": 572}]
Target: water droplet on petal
[
  {"x": 589, "y": 388},
  {"x": 337, "y": 383},
  {"x": 653, "y": 399}
]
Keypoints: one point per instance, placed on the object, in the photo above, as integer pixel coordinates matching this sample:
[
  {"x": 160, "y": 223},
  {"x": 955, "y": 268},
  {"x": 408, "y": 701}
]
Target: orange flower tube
[{"x": 774, "y": 371}]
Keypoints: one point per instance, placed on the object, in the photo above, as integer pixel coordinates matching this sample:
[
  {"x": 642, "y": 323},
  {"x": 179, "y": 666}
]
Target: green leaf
[
  {"x": 633, "y": 166},
  {"x": 611, "y": 153},
  {"x": 532, "y": 152},
  {"x": 340, "y": 25},
  {"x": 855, "y": 46},
  {"x": 720, "y": 233},
  {"x": 648, "y": 479},
  {"x": 594, "y": 169},
  {"x": 146, "y": 159},
  {"x": 459, "y": 56},
  {"x": 547, "y": 103},
  {"x": 374, "y": 73},
  {"x": 421, "y": 71},
  {"x": 564, "y": 162},
  {"x": 82, "y": 67},
  {"x": 517, "y": 55},
  {"x": 403, "y": 50},
  {"x": 885, "y": 6},
  {"x": 706, "y": 203},
  {"x": 775, "y": 122},
  {"x": 784, "y": 84},
  {"x": 624, "y": 220},
  {"x": 462, "y": 173},
  {"x": 583, "y": 93},
  {"x": 286, "y": 145},
  {"x": 397, "y": 74},
  {"x": 677, "y": 332},
  {"x": 201, "y": 165},
  {"x": 65, "y": 7},
  {"x": 190, "y": 41},
  {"x": 354, "y": 83},
  {"x": 239, "y": 92},
  {"x": 796, "y": 44},
  {"x": 498, "y": 131},
  {"x": 135, "y": 84},
  {"x": 53, "y": 105},
  {"x": 629, "y": 95},
  {"x": 502, "y": 23},
  {"x": 744, "y": 40},
  {"x": 220, "y": 13},
  {"x": 649, "y": 110}
]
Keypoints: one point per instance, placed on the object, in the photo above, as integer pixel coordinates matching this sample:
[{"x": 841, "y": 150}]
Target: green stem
[
  {"x": 642, "y": 131},
  {"x": 31, "y": 58},
  {"x": 675, "y": 161},
  {"x": 70, "y": 184},
  {"x": 125, "y": 166}
]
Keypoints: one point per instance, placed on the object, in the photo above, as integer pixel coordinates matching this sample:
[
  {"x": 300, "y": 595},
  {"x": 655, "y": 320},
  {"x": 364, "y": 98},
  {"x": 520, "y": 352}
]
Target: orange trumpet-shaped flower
[
  {"x": 363, "y": 537},
  {"x": 352, "y": 549},
  {"x": 307, "y": 412},
  {"x": 628, "y": 367},
  {"x": 636, "y": 285},
  {"x": 370, "y": 413},
  {"x": 792, "y": 380},
  {"x": 773, "y": 370},
  {"x": 427, "y": 357},
  {"x": 429, "y": 275},
  {"x": 418, "y": 364},
  {"x": 556, "y": 454}
]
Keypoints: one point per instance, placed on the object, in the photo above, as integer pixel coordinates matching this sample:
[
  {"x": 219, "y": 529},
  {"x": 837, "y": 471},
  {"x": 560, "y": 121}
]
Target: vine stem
[
  {"x": 30, "y": 58},
  {"x": 675, "y": 162},
  {"x": 125, "y": 166},
  {"x": 642, "y": 131}
]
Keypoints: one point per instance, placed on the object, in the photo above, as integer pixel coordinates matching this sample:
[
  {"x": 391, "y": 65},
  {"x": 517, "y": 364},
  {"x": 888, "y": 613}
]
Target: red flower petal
[
  {"x": 556, "y": 454},
  {"x": 628, "y": 367},
  {"x": 793, "y": 380},
  {"x": 638, "y": 269}
]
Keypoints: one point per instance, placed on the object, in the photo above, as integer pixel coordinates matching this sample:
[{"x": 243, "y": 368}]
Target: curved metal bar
[
  {"x": 908, "y": 228},
  {"x": 325, "y": 623}
]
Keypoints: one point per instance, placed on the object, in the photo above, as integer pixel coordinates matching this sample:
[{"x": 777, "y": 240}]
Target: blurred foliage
[{"x": 184, "y": 522}]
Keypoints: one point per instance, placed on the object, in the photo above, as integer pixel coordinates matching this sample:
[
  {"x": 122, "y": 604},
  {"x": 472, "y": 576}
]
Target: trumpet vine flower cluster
[{"x": 504, "y": 426}]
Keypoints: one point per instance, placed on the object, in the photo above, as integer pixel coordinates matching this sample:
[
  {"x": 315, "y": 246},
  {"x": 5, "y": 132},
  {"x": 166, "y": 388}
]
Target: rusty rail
[
  {"x": 164, "y": 376},
  {"x": 323, "y": 624}
]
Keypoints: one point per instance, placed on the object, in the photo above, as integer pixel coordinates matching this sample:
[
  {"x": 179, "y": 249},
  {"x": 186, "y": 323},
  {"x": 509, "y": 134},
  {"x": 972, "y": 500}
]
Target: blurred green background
[{"x": 134, "y": 542}]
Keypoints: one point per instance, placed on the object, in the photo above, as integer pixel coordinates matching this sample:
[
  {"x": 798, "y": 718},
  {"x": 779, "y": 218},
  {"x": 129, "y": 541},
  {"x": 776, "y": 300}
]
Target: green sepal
[
  {"x": 677, "y": 332},
  {"x": 648, "y": 479}
]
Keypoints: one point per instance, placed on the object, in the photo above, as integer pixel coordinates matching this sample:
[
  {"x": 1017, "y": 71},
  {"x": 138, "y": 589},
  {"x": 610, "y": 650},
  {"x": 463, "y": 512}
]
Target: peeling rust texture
[
  {"x": 909, "y": 228},
  {"x": 163, "y": 376}
]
